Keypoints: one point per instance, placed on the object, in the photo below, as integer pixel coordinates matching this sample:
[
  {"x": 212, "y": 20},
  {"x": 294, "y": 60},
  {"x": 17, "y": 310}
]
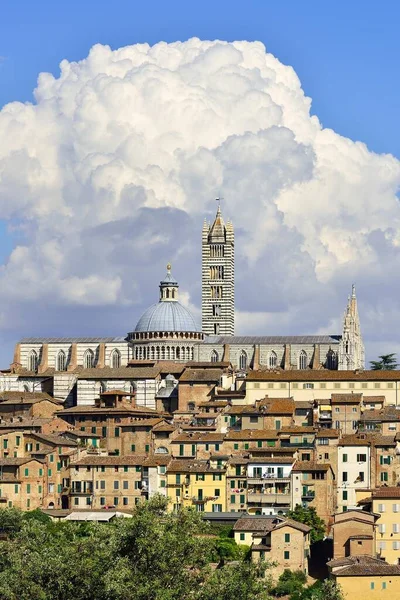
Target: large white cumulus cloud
[{"x": 113, "y": 169}]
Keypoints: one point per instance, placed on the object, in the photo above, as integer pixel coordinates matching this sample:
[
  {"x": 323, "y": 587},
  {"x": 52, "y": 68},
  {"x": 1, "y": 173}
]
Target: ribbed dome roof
[{"x": 167, "y": 316}]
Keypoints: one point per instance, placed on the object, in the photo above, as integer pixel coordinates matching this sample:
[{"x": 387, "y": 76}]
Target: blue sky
[{"x": 346, "y": 56}]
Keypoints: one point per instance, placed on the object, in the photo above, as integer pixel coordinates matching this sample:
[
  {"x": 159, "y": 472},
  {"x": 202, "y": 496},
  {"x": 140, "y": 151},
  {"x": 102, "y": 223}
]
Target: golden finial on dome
[{"x": 169, "y": 267}]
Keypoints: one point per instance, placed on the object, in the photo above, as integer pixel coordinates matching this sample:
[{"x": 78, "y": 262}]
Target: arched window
[
  {"x": 183, "y": 353},
  {"x": 331, "y": 360},
  {"x": 214, "y": 356},
  {"x": 158, "y": 352},
  {"x": 178, "y": 353},
  {"x": 191, "y": 406},
  {"x": 115, "y": 359},
  {"x": 61, "y": 361},
  {"x": 192, "y": 355},
  {"x": 33, "y": 361},
  {"x": 26, "y": 388},
  {"x": 187, "y": 353},
  {"x": 103, "y": 387},
  {"x": 153, "y": 353},
  {"x": 88, "y": 359},
  {"x": 173, "y": 352},
  {"x": 272, "y": 360},
  {"x": 243, "y": 360},
  {"x": 168, "y": 352},
  {"x": 162, "y": 352},
  {"x": 303, "y": 361},
  {"x": 132, "y": 388},
  {"x": 173, "y": 294}
]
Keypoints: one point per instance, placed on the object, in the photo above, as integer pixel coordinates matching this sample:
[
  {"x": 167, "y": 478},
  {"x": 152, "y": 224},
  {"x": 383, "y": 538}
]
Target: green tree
[
  {"x": 244, "y": 580},
  {"x": 290, "y": 582},
  {"x": 386, "y": 362},
  {"x": 309, "y": 517}
]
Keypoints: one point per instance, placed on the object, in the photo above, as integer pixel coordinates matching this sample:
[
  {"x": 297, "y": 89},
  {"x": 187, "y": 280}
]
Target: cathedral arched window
[
  {"x": 158, "y": 353},
  {"x": 88, "y": 359},
  {"x": 173, "y": 352},
  {"x": 61, "y": 361},
  {"x": 214, "y": 356},
  {"x": 115, "y": 359},
  {"x": 33, "y": 361},
  {"x": 331, "y": 360},
  {"x": 243, "y": 360},
  {"x": 192, "y": 354},
  {"x": 152, "y": 353},
  {"x": 303, "y": 362},
  {"x": 103, "y": 387},
  {"x": 272, "y": 360},
  {"x": 178, "y": 353},
  {"x": 132, "y": 388},
  {"x": 187, "y": 353},
  {"x": 168, "y": 353},
  {"x": 163, "y": 353}
]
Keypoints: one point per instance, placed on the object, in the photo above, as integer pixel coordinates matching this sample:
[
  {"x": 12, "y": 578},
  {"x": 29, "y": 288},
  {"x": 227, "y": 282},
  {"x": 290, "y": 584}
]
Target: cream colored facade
[
  {"x": 386, "y": 503},
  {"x": 353, "y": 473}
]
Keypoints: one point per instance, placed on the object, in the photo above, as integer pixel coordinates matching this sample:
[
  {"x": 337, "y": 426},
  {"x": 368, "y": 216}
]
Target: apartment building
[
  {"x": 386, "y": 504},
  {"x": 313, "y": 485},
  {"x": 268, "y": 485},
  {"x": 200, "y": 484},
  {"x": 353, "y": 470}
]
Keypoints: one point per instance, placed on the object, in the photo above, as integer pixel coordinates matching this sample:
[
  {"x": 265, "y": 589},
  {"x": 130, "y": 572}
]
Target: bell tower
[
  {"x": 218, "y": 277},
  {"x": 351, "y": 349}
]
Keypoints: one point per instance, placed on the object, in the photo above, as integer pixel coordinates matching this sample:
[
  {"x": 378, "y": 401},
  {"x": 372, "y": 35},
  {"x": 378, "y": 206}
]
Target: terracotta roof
[
  {"x": 310, "y": 466},
  {"x": 295, "y": 524},
  {"x": 388, "y": 413},
  {"x": 142, "y": 423},
  {"x": 16, "y": 462},
  {"x": 252, "y": 434},
  {"x": 26, "y": 398},
  {"x": 103, "y": 410},
  {"x": 304, "y": 404},
  {"x": 55, "y": 440},
  {"x": 256, "y": 524},
  {"x": 135, "y": 460},
  {"x": 214, "y": 404},
  {"x": 386, "y": 492},
  {"x": 323, "y": 375},
  {"x": 201, "y": 375},
  {"x": 158, "y": 460},
  {"x": 328, "y": 433},
  {"x": 163, "y": 427},
  {"x": 198, "y": 436},
  {"x": 359, "y": 566},
  {"x": 346, "y": 398},
  {"x": 192, "y": 466},
  {"x": 355, "y": 439},
  {"x": 240, "y": 409},
  {"x": 296, "y": 429},
  {"x": 278, "y": 406},
  {"x": 371, "y": 399}
]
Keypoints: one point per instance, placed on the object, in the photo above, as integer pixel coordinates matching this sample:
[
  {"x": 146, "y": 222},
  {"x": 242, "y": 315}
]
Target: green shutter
[{"x": 233, "y": 499}]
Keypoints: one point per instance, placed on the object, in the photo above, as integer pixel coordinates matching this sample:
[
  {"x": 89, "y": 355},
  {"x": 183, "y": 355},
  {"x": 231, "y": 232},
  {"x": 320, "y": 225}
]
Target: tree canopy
[
  {"x": 309, "y": 517},
  {"x": 386, "y": 362}
]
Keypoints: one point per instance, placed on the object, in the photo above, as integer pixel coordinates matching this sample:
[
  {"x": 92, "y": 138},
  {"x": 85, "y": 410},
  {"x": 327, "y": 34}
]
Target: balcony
[
  {"x": 82, "y": 487},
  {"x": 268, "y": 498},
  {"x": 308, "y": 495},
  {"x": 266, "y": 479},
  {"x": 325, "y": 416},
  {"x": 288, "y": 444}
]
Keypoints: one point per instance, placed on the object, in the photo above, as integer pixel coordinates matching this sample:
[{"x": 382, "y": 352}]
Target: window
[
  {"x": 372, "y": 585},
  {"x": 214, "y": 356},
  {"x": 181, "y": 450},
  {"x": 116, "y": 485},
  {"x": 384, "y": 585},
  {"x": 337, "y": 409},
  {"x": 344, "y": 459},
  {"x": 51, "y": 488},
  {"x": 361, "y": 458},
  {"x": 361, "y": 476},
  {"x": 242, "y": 499},
  {"x": 287, "y": 538},
  {"x": 344, "y": 477},
  {"x": 178, "y": 479},
  {"x": 88, "y": 359},
  {"x": 125, "y": 485},
  {"x": 308, "y": 386},
  {"x": 242, "y": 537},
  {"x": 61, "y": 363},
  {"x": 331, "y": 362},
  {"x": 253, "y": 419},
  {"x": 125, "y": 501},
  {"x": 286, "y": 555},
  {"x": 236, "y": 446},
  {"x": 395, "y": 528},
  {"x": 33, "y": 361},
  {"x": 26, "y": 472},
  {"x": 217, "y": 492},
  {"x": 243, "y": 360},
  {"x": 116, "y": 359},
  {"x": 272, "y": 360},
  {"x": 303, "y": 362},
  {"x": 217, "y": 477},
  {"x": 147, "y": 448},
  {"x": 133, "y": 447},
  {"x": 344, "y": 495},
  {"x": 233, "y": 498},
  {"x": 396, "y": 507},
  {"x": 28, "y": 488},
  {"x": 381, "y": 508},
  {"x": 354, "y": 409}
]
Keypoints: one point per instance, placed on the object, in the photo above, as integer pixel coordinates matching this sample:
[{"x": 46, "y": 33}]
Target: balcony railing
[
  {"x": 262, "y": 480},
  {"x": 268, "y": 498},
  {"x": 309, "y": 494}
]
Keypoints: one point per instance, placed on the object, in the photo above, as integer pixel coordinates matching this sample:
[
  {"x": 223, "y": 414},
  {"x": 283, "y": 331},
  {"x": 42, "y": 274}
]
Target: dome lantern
[{"x": 169, "y": 287}]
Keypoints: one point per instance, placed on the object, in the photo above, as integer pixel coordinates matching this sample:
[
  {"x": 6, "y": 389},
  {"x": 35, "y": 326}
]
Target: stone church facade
[{"x": 168, "y": 331}]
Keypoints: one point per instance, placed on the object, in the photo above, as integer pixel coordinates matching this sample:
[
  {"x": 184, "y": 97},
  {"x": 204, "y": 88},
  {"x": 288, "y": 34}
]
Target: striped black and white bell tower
[{"x": 218, "y": 277}]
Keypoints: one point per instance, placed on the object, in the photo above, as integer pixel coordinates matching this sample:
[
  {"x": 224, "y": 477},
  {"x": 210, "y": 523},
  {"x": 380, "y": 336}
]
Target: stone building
[{"x": 218, "y": 277}]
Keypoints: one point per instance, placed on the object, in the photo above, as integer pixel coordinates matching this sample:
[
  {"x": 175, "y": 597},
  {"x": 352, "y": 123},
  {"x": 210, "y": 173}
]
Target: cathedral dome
[{"x": 168, "y": 315}]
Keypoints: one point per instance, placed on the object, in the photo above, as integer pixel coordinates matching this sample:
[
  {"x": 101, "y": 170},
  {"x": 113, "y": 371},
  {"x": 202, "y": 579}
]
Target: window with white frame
[{"x": 214, "y": 356}]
